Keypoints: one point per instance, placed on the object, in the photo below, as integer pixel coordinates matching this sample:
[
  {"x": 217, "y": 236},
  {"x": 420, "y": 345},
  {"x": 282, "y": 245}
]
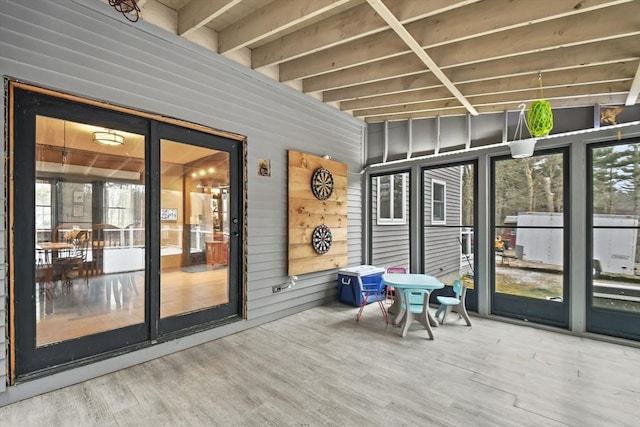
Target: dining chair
[
  {"x": 74, "y": 266},
  {"x": 416, "y": 305},
  {"x": 457, "y": 303}
]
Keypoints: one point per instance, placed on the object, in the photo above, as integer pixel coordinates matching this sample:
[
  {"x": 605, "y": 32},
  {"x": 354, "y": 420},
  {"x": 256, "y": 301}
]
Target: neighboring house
[{"x": 443, "y": 236}]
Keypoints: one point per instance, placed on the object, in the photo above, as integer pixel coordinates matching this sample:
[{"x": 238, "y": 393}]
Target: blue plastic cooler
[{"x": 350, "y": 282}]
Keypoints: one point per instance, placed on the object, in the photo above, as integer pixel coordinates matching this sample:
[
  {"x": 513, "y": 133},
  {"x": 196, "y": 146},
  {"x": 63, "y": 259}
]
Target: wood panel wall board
[{"x": 306, "y": 213}]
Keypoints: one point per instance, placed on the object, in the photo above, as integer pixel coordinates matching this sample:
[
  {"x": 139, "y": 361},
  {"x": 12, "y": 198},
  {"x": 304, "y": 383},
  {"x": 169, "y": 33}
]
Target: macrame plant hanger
[{"x": 540, "y": 115}]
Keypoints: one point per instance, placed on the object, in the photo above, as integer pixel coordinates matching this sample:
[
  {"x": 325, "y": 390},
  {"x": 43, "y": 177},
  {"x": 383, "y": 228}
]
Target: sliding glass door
[
  {"x": 529, "y": 274},
  {"x": 126, "y": 230}
]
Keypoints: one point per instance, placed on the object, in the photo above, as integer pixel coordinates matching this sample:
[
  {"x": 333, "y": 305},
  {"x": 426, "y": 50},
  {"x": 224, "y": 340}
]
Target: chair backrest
[
  {"x": 396, "y": 270},
  {"x": 458, "y": 287},
  {"x": 81, "y": 244}
]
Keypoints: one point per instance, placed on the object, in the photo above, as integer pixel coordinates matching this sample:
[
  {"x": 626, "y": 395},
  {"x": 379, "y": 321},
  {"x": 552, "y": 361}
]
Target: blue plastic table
[{"x": 402, "y": 282}]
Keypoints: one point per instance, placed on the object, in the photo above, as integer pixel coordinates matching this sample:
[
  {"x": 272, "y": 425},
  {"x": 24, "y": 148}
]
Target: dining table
[
  {"x": 408, "y": 282},
  {"x": 49, "y": 248}
]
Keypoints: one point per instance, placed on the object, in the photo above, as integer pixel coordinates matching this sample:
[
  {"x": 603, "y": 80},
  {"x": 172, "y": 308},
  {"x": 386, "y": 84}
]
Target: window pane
[
  {"x": 89, "y": 272},
  {"x": 616, "y": 227},
  {"x": 529, "y": 234},
  {"x": 384, "y": 198},
  {"x": 398, "y": 194},
  {"x": 448, "y": 247},
  {"x": 194, "y": 238},
  {"x": 390, "y": 237},
  {"x": 438, "y": 201}
]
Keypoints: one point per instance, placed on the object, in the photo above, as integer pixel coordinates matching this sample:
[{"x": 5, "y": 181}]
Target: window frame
[
  {"x": 435, "y": 221},
  {"x": 392, "y": 220}
]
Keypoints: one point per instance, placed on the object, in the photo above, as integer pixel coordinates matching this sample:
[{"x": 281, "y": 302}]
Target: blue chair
[
  {"x": 372, "y": 290},
  {"x": 457, "y": 303},
  {"x": 416, "y": 305}
]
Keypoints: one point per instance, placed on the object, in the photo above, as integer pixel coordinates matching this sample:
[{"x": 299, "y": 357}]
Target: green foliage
[
  {"x": 616, "y": 179},
  {"x": 533, "y": 184}
]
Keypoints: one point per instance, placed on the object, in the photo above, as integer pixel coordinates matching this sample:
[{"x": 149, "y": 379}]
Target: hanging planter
[
  {"x": 540, "y": 115},
  {"x": 521, "y": 148}
]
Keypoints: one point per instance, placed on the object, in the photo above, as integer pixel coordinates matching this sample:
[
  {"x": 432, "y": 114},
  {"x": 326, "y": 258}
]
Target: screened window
[
  {"x": 438, "y": 202},
  {"x": 392, "y": 200}
]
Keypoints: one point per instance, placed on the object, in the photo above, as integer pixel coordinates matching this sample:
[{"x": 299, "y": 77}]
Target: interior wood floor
[
  {"x": 112, "y": 301},
  {"x": 321, "y": 368}
]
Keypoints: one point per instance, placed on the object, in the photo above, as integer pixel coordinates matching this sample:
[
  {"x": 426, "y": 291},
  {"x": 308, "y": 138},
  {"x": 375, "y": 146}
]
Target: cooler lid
[{"x": 361, "y": 270}]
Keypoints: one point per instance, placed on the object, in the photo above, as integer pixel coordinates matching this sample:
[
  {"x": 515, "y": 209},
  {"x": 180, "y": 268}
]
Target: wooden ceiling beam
[
  {"x": 354, "y": 23},
  {"x": 274, "y": 18},
  {"x": 592, "y": 25},
  {"x": 632, "y": 97},
  {"x": 562, "y": 78},
  {"x": 423, "y": 80},
  {"x": 197, "y": 13},
  {"x": 402, "y": 32},
  {"x": 590, "y": 53},
  {"x": 583, "y": 101},
  {"x": 515, "y": 97}
]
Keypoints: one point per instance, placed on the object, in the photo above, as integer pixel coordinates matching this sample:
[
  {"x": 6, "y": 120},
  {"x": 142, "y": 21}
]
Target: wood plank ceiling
[{"x": 397, "y": 59}]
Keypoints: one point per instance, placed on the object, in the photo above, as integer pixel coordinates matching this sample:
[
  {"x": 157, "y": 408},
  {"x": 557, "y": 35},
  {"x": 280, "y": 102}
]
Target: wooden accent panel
[{"x": 306, "y": 213}]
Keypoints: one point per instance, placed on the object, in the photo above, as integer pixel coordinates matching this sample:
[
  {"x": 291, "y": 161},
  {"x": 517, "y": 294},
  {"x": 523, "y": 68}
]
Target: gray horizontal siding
[
  {"x": 88, "y": 49},
  {"x": 441, "y": 245}
]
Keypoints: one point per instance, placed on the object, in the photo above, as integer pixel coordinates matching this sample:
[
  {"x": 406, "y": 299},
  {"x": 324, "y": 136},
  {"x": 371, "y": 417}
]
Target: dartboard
[
  {"x": 322, "y": 184},
  {"x": 321, "y": 239}
]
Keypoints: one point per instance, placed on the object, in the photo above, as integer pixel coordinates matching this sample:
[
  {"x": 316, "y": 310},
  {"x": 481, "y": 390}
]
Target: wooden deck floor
[{"x": 320, "y": 367}]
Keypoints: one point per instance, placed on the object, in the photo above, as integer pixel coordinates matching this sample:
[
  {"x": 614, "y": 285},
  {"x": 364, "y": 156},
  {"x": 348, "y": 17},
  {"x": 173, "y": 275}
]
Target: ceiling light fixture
[{"x": 108, "y": 137}]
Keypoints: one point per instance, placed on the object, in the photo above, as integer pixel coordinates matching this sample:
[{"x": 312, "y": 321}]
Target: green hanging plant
[{"x": 540, "y": 118}]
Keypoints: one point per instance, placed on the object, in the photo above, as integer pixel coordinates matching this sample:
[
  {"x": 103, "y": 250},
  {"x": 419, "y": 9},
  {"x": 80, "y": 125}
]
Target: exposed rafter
[
  {"x": 373, "y": 59},
  {"x": 419, "y": 52}
]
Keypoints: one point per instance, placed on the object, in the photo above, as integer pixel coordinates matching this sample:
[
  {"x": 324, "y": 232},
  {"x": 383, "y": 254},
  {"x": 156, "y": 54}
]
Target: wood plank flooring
[
  {"x": 103, "y": 305},
  {"x": 321, "y": 368}
]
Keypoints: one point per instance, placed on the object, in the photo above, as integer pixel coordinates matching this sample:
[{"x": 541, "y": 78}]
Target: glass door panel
[
  {"x": 390, "y": 215},
  {"x": 529, "y": 280},
  {"x": 89, "y": 275},
  {"x": 78, "y": 281},
  {"x": 448, "y": 217},
  {"x": 614, "y": 284},
  {"x": 200, "y": 229}
]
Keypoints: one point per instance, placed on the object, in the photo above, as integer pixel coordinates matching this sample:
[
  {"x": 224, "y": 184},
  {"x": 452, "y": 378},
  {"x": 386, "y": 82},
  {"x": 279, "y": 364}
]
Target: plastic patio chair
[
  {"x": 457, "y": 303},
  {"x": 372, "y": 289},
  {"x": 416, "y": 304}
]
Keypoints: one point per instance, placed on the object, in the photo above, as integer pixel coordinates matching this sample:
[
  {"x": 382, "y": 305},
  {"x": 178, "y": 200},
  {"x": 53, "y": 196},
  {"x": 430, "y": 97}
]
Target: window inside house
[
  {"x": 438, "y": 202},
  {"x": 121, "y": 202},
  {"x": 392, "y": 200},
  {"x": 43, "y": 210}
]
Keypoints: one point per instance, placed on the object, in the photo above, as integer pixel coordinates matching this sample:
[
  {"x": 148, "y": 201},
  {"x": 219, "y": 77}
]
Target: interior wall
[{"x": 89, "y": 49}]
